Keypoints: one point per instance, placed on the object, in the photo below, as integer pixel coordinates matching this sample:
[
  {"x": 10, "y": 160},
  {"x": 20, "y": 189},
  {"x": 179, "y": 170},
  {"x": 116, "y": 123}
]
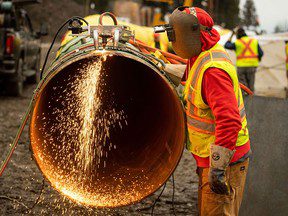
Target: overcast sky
[{"x": 271, "y": 13}]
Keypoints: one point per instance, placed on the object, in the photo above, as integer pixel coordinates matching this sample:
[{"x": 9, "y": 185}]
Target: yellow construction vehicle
[
  {"x": 172, "y": 2},
  {"x": 142, "y": 33},
  {"x": 188, "y": 3},
  {"x": 159, "y": 13}
]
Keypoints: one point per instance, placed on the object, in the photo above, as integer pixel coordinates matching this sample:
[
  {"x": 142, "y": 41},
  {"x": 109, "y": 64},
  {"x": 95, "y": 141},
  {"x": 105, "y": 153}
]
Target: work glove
[{"x": 220, "y": 158}]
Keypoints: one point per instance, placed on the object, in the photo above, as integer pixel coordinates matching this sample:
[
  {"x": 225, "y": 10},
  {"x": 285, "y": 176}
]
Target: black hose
[
  {"x": 158, "y": 198},
  {"x": 173, "y": 195},
  {"x": 54, "y": 39}
]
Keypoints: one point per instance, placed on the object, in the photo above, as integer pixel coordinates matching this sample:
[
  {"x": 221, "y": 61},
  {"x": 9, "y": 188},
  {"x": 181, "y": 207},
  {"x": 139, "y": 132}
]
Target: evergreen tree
[
  {"x": 224, "y": 12},
  {"x": 227, "y": 13},
  {"x": 250, "y": 17},
  {"x": 277, "y": 29}
]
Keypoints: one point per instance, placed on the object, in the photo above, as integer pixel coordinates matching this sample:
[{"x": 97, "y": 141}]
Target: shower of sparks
[
  {"x": 76, "y": 132},
  {"x": 89, "y": 103},
  {"x": 84, "y": 124}
]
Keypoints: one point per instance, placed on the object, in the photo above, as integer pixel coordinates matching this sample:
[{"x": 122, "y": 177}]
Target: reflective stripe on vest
[
  {"x": 286, "y": 56},
  {"x": 247, "y": 48},
  {"x": 200, "y": 125},
  {"x": 203, "y": 125},
  {"x": 247, "y": 52},
  {"x": 217, "y": 55},
  {"x": 287, "y": 53},
  {"x": 200, "y": 119},
  {"x": 207, "y": 125}
]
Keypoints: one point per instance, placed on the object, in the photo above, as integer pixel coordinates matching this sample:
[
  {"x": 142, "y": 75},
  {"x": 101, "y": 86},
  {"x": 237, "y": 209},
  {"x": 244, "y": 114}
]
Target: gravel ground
[{"x": 22, "y": 182}]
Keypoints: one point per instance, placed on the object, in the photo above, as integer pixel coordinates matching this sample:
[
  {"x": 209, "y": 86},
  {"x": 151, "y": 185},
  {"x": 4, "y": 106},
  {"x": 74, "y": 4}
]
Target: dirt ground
[{"x": 22, "y": 182}]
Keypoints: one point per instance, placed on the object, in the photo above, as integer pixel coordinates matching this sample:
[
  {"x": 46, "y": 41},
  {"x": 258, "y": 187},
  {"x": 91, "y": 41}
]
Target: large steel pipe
[{"x": 112, "y": 149}]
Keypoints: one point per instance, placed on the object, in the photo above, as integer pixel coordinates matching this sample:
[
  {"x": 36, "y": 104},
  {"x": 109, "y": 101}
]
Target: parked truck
[{"x": 20, "y": 49}]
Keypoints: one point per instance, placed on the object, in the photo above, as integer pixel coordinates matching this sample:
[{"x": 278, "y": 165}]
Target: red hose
[
  {"x": 142, "y": 49},
  {"x": 246, "y": 89},
  {"x": 166, "y": 54},
  {"x": 15, "y": 141},
  {"x": 172, "y": 61}
]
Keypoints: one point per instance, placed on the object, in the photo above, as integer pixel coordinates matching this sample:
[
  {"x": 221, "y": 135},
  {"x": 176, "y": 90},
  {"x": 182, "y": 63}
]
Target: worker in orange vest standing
[
  {"x": 218, "y": 137},
  {"x": 286, "y": 49},
  {"x": 248, "y": 54}
]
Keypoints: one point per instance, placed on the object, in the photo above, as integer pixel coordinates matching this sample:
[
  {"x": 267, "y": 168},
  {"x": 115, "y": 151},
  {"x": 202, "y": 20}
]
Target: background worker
[
  {"x": 286, "y": 51},
  {"x": 248, "y": 54},
  {"x": 216, "y": 121}
]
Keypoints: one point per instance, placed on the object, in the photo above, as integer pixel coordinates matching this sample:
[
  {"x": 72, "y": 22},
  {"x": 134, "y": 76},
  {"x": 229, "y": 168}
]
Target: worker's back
[
  {"x": 247, "y": 52},
  {"x": 286, "y": 48}
]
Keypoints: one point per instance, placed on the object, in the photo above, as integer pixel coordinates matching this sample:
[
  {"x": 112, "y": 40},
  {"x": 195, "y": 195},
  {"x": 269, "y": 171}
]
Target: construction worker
[
  {"x": 286, "y": 49},
  {"x": 217, "y": 127},
  {"x": 248, "y": 53}
]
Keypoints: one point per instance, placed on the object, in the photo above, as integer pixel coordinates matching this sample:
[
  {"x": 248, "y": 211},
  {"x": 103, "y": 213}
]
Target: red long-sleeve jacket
[{"x": 218, "y": 93}]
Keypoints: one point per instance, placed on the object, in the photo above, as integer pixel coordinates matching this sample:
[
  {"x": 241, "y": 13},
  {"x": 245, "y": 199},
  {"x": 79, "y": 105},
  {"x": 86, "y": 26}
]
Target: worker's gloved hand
[
  {"x": 220, "y": 158},
  {"x": 217, "y": 181}
]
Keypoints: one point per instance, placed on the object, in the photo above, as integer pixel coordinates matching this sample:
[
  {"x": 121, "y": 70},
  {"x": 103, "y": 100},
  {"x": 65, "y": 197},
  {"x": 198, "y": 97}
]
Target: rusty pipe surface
[{"x": 107, "y": 131}]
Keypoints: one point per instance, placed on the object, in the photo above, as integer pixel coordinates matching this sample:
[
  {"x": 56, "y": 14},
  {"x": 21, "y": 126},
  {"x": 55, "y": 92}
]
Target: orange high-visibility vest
[
  {"x": 200, "y": 119},
  {"x": 287, "y": 56},
  {"x": 247, "y": 52}
]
